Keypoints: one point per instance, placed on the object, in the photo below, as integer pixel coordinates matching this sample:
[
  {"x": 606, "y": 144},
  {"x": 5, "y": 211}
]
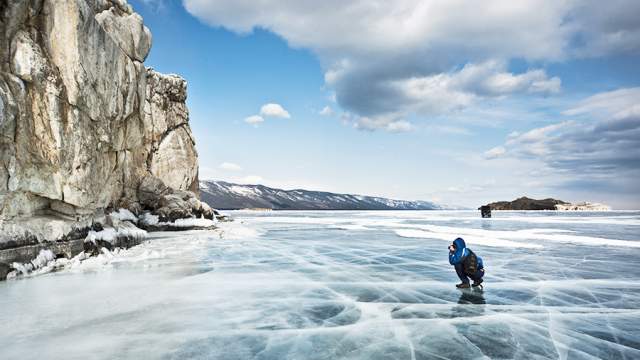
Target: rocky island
[
  {"x": 89, "y": 136},
  {"x": 525, "y": 203}
]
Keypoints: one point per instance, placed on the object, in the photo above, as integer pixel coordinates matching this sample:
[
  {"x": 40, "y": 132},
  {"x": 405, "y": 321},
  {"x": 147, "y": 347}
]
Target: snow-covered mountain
[{"x": 224, "y": 195}]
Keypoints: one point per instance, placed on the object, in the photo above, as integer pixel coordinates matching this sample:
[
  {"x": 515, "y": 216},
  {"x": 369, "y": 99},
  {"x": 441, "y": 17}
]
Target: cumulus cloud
[
  {"x": 599, "y": 30},
  {"x": 444, "y": 92},
  {"x": 605, "y": 144},
  {"x": 230, "y": 166},
  {"x": 274, "y": 110},
  {"x": 495, "y": 152},
  {"x": 390, "y": 59},
  {"x": 268, "y": 110},
  {"x": 254, "y": 119}
]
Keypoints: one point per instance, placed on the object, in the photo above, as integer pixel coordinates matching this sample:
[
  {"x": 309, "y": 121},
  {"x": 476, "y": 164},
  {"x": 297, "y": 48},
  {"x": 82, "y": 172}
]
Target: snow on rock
[
  {"x": 124, "y": 215},
  {"x": 148, "y": 219},
  {"x": 152, "y": 222},
  {"x": 43, "y": 258},
  {"x": 193, "y": 222},
  {"x": 111, "y": 235},
  {"x": 243, "y": 190}
]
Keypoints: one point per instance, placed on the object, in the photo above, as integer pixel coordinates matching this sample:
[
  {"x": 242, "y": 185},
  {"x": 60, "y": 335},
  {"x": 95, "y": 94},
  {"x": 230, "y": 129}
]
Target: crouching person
[{"x": 467, "y": 264}]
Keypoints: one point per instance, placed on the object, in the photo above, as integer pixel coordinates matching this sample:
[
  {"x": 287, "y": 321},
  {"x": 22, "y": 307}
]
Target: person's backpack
[{"x": 470, "y": 263}]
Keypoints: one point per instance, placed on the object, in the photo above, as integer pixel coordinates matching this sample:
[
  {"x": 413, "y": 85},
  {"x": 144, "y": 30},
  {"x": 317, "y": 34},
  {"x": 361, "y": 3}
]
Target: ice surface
[{"x": 342, "y": 285}]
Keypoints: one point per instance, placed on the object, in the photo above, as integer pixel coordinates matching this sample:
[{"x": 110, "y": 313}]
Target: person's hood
[{"x": 459, "y": 243}]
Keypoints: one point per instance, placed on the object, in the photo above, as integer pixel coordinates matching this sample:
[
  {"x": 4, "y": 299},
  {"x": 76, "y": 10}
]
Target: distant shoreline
[{"x": 427, "y": 210}]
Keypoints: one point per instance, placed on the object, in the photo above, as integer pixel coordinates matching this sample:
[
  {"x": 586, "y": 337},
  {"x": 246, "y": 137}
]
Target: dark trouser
[{"x": 465, "y": 278}]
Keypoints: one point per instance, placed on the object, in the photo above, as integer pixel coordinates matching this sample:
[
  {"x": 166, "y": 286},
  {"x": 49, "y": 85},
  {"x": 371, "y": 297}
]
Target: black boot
[
  {"x": 477, "y": 283},
  {"x": 463, "y": 286}
]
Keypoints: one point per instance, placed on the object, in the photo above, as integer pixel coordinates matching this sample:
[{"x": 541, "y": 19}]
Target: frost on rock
[
  {"x": 152, "y": 222},
  {"x": 112, "y": 235},
  {"x": 124, "y": 236},
  {"x": 124, "y": 215},
  {"x": 43, "y": 258},
  {"x": 172, "y": 209},
  {"x": 149, "y": 219}
]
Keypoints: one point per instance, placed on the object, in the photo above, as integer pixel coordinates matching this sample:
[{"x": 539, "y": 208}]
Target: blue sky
[{"x": 428, "y": 100}]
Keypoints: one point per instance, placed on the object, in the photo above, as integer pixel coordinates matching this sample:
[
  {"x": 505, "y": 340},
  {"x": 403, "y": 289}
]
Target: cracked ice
[{"x": 352, "y": 285}]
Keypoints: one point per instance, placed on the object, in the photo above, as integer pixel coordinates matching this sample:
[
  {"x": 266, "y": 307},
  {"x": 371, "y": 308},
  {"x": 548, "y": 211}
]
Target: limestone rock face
[
  {"x": 82, "y": 120},
  {"x": 173, "y": 143}
]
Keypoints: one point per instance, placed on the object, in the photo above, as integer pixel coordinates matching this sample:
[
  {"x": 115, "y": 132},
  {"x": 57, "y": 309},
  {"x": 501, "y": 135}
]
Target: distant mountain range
[{"x": 226, "y": 196}]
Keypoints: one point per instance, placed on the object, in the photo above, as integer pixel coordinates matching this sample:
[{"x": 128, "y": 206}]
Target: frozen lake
[{"x": 343, "y": 285}]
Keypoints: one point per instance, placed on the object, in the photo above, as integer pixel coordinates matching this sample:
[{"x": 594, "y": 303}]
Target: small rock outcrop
[
  {"x": 525, "y": 203},
  {"x": 86, "y": 128}
]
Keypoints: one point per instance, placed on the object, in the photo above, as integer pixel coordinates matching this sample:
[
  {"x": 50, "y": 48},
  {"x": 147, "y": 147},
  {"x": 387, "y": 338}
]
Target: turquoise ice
[{"x": 343, "y": 285}]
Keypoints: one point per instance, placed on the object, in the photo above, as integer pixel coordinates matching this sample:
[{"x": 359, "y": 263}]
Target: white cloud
[
  {"x": 274, "y": 110},
  {"x": 326, "y": 111},
  {"x": 254, "y": 119},
  {"x": 492, "y": 78},
  {"x": 374, "y": 26},
  {"x": 448, "y": 129},
  {"x": 391, "y": 123},
  {"x": 602, "y": 148},
  {"x": 494, "y": 153},
  {"x": 251, "y": 179},
  {"x": 402, "y": 57},
  {"x": 230, "y": 166},
  {"x": 399, "y": 126},
  {"x": 607, "y": 103},
  {"x": 445, "y": 92}
]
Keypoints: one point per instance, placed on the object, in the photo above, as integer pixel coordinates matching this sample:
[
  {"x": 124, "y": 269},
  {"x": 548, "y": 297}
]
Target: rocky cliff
[{"x": 85, "y": 127}]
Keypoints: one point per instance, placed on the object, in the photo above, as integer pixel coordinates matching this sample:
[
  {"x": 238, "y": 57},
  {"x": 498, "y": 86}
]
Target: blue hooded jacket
[{"x": 461, "y": 252}]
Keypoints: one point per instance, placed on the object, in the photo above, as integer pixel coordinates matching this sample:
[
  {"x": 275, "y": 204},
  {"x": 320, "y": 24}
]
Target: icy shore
[{"x": 123, "y": 230}]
